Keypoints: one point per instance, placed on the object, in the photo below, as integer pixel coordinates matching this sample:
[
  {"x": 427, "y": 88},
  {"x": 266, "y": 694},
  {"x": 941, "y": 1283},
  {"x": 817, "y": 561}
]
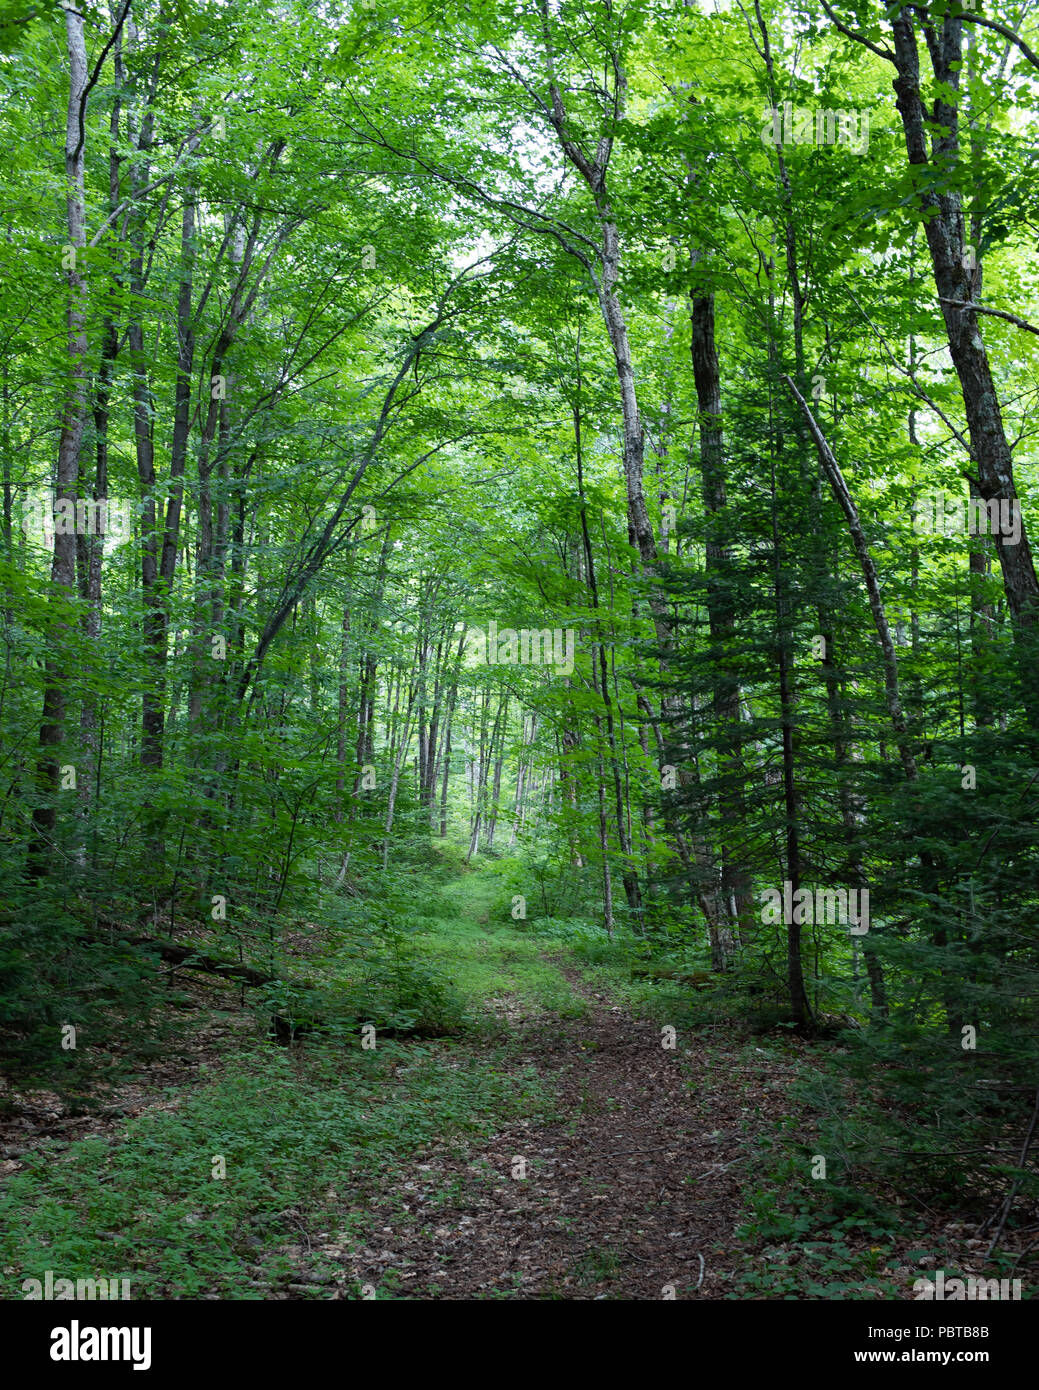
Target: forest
[{"x": 519, "y": 710}]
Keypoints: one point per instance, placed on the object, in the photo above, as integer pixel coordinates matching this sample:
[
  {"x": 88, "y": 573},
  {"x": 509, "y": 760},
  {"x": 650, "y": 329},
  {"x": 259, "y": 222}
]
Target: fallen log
[
  {"x": 283, "y": 1030},
  {"x": 190, "y": 957},
  {"x": 193, "y": 959}
]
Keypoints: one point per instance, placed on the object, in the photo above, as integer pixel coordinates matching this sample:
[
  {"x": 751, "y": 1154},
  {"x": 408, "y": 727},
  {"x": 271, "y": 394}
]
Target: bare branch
[
  {"x": 996, "y": 313},
  {"x": 95, "y": 75},
  {"x": 1001, "y": 29}
]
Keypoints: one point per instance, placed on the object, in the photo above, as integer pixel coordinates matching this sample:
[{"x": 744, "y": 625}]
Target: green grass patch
[
  {"x": 484, "y": 957},
  {"x": 299, "y": 1132}
]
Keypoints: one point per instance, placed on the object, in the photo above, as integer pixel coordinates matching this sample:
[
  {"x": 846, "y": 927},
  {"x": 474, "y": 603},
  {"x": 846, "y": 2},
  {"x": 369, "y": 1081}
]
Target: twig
[
  {"x": 1026, "y": 1251},
  {"x": 721, "y": 1169},
  {"x": 1008, "y": 1201}
]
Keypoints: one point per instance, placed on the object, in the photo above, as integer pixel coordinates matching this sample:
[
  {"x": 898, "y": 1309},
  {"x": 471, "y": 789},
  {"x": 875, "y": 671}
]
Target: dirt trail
[{"x": 635, "y": 1188}]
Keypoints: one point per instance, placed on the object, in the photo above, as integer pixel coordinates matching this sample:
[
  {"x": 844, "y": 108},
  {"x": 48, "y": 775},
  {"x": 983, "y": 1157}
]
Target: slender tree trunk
[
  {"x": 73, "y": 420},
  {"x": 736, "y": 885},
  {"x": 629, "y": 876},
  {"x": 398, "y": 762},
  {"x": 569, "y": 742},
  {"x": 799, "y": 1004},
  {"x": 497, "y": 758},
  {"x": 448, "y": 720},
  {"x": 343, "y": 713},
  {"x": 955, "y": 267},
  {"x": 869, "y": 573},
  {"x": 480, "y": 777}
]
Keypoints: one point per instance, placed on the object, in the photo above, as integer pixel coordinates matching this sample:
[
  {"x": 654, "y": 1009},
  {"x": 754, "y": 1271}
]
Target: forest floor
[
  {"x": 630, "y": 1191},
  {"x": 557, "y": 1149},
  {"x": 643, "y": 1177},
  {"x": 627, "y": 1188}
]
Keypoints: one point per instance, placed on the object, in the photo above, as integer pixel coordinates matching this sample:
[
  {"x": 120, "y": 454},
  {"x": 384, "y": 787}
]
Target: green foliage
[
  {"x": 376, "y": 350},
  {"x": 292, "y": 1133},
  {"x": 56, "y": 977}
]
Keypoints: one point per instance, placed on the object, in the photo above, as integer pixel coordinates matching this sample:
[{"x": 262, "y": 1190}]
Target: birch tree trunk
[{"x": 956, "y": 276}]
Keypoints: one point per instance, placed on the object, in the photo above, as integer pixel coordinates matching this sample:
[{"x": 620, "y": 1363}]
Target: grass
[
  {"x": 303, "y": 1131},
  {"x": 308, "y": 1134},
  {"x": 486, "y": 957},
  {"x": 297, "y": 1132}
]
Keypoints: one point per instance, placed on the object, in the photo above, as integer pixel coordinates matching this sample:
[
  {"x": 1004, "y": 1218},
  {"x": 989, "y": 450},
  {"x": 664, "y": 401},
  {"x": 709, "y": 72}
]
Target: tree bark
[
  {"x": 74, "y": 415},
  {"x": 955, "y": 272},
  {"x": 735, "y": 879}
]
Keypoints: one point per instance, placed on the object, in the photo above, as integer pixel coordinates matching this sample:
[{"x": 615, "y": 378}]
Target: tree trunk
[
  {"x": 629, "y": 875},
  {"x": 74, "y": 415},
  {"x": 736, "y": 887},
  {"x": 954, "y": 265}
]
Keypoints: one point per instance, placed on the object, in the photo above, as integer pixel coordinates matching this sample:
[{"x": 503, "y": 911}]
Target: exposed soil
[
  {"x": 633, "y": 1190},
  {"x": 632, "y": 1193}
]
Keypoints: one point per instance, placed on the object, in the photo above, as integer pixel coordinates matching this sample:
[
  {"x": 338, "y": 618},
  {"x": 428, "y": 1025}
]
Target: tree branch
[
  {"x": 1001, "y": 29},
  {"x": 95, "y": 75},
  {"x": 884, "y": 53},
  {"x": 996, "y": 313}
]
